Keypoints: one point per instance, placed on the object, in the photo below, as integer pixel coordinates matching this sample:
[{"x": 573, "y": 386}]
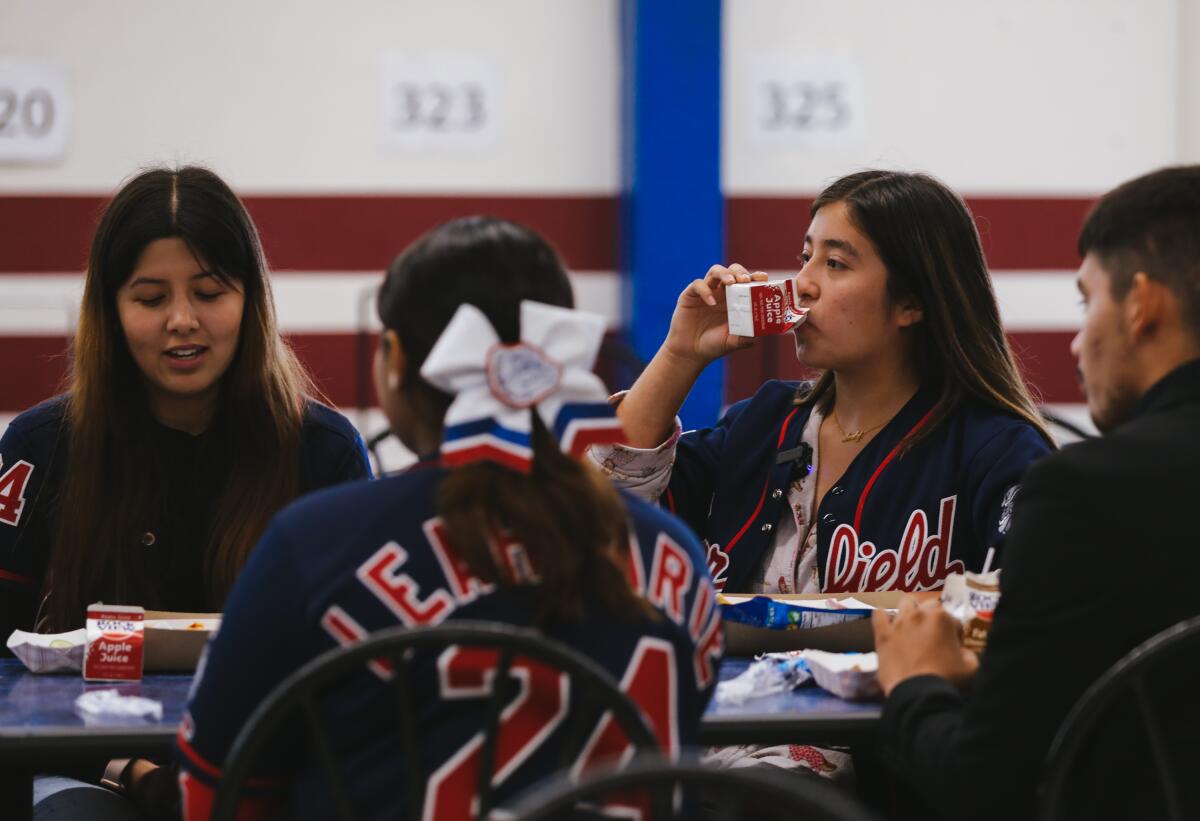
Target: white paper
[
  {"x": 846, "y": 675},
  {"x": 49, "y": 652}
]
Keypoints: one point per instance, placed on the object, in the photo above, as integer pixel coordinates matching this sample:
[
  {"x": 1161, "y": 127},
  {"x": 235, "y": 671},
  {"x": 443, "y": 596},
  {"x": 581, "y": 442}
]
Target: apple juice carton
[
  {"x": 761, "y": 308},
  {"x": 114, "y": 643}
]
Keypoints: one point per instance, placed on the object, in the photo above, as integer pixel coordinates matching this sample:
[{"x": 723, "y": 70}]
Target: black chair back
[
  {"x": 1128, "y": 683},
  {"x": 593, "y": 693},
  {"x": 688, "y": 788}
]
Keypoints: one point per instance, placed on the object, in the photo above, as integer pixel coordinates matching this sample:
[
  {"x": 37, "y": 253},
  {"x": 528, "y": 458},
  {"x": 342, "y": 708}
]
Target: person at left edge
[{"x": 186, "y": 425}]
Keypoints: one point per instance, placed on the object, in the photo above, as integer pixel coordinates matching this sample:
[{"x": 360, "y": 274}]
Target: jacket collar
[{"x": 1180, "y": 386}]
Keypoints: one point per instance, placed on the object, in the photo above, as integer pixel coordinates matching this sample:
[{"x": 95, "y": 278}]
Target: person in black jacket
[{"x": 1101, "y": 555}]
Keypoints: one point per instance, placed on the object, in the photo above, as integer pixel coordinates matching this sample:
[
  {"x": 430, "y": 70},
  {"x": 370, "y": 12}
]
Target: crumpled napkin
[
  {"x": 100, "y": 706},
  {"x": 769, "y": 674},
  {"x": 49, "y": 652}
]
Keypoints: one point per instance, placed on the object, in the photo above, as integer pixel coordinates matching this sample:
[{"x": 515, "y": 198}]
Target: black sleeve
[{"x": 981, "y": 756}]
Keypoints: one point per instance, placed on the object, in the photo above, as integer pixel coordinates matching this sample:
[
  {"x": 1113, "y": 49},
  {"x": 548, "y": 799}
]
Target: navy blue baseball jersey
[
  {"x": 34, "y": 460},
  {"x": 897, "y": 519},
  {"x": 354, "y": 559}
]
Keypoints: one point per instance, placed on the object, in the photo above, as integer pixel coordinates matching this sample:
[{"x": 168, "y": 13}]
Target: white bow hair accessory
[{"x": 496, "y": 384}]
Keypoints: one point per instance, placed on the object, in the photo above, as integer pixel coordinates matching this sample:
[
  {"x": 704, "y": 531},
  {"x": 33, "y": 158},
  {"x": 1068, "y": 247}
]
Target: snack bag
[
  {"x": 114, "y": 643},
  {"x": 971, "y": 598},
  {"x": 761, "y": 308},
  {"x": 763, "y": 611}
]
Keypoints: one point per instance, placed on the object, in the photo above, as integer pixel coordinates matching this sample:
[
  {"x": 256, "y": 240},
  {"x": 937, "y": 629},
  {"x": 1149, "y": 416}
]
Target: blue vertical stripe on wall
[{"x": 672, "y": 212}]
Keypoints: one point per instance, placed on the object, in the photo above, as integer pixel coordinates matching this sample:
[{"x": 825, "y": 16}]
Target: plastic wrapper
[
  {"x": 851, "y": 676},
  {"x": 110, "y": 706},
  {"x": 773, "y": 614},
  {"x": 767, "y": 675},
  {"x": 49, "y": 652},
  {"x": 762, "y": 308},
  {"x": 972, "y": 598}
]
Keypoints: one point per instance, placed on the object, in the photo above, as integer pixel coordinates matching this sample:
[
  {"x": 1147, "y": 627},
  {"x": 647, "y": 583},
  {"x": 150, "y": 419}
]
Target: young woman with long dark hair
[
  {"x": 485, "y": 370},
  {"x": 900, "y": 463},
  {"x": 187, "y": 423}
]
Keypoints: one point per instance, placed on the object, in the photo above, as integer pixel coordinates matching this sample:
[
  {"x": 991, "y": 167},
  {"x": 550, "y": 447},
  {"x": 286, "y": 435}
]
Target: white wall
[
  {"x": 280, "y": 95},
  {"x": 1026, "y": 98},
  {"x": 1019, "y": 97},
  {"x": 1189, "y": 89}
]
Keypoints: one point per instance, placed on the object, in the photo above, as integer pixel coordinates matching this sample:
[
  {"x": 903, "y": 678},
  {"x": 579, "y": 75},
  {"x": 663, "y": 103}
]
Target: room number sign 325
[
  {"x": 805, "y": 106},
  {"x": 802, "y": 100}
]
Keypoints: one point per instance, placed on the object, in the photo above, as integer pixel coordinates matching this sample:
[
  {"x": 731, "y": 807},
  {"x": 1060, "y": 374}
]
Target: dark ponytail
[{"x": 565, "y": 514}]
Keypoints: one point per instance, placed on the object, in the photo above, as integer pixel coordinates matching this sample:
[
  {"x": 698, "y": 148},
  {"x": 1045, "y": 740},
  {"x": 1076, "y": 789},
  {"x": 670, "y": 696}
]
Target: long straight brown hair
[
  {"x": 108, "y": 494},
  {"x": 566, "y": 515},
  {"x": 927, "y": 240}
]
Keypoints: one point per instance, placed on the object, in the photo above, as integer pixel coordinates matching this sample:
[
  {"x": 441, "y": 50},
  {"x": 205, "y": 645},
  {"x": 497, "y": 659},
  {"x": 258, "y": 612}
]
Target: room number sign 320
[{"x": 35, "y": 111}]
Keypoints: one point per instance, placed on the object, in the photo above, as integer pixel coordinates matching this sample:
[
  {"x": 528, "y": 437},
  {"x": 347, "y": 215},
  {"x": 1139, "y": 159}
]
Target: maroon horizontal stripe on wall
[
  {"x": 319, "y": 233},
  {"x": 339, "y": 362},
  {"x": 1044, "y": 357},
  {"x": 1018, "y": 233},
  {"x": 331, "y": 233}
]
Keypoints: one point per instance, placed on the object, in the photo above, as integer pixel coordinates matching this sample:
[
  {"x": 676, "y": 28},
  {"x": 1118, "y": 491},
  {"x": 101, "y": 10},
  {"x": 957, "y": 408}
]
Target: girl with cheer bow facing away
[
  {"x": 899, "y": 465},
  {"x": 187, "y": 423},
  {"x": 484, "y": 368}
]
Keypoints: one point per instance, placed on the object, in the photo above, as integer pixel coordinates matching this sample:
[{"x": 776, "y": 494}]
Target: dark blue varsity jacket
[{"x": 893, "y": 521}]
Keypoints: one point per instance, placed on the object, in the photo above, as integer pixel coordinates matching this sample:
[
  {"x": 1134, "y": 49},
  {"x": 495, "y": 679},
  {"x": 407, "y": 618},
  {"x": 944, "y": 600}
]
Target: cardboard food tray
[
  {"x": 174, "y": 651},
  {"x": 853, "y": 636}
]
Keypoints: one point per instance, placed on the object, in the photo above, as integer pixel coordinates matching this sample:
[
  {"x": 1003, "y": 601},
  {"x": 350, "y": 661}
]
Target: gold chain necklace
[{"x": 854, "y": 435}]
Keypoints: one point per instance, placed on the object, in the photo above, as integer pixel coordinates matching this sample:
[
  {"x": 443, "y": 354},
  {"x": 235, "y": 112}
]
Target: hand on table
[{"x": 920, "y": 639}]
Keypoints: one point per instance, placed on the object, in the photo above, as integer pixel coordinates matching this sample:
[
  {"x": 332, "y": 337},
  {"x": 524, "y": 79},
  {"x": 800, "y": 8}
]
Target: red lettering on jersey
[
  {"x": 12, "y": 491},
  {"x": 705, "y": 601},
  {"x": 511, "y": 558},
  {"x": 670, "y": 577},
  {"x": 921, "y": 562},
  {"x": 936, "y": 565},
  {"x": 539, "y": 706},
  {"x": 464, "y": 584},
  {"x": 346, "y": 631},
  {"x": 635, "y": 571},
  {"x": 718, "y": 564},
  {"x": 197, "y": 800},
  {"x": 399, "y": 592},
  {"x": 709, "y": 649},
  {"x": 705, "y": 630},
  {"x": 650, "y": 682}
]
